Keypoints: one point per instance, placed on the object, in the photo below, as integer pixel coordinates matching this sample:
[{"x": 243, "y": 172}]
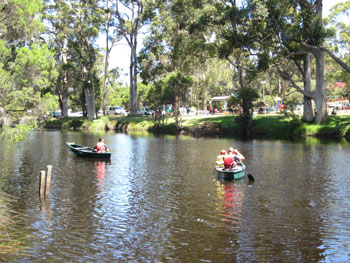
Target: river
[{"x": 158, "y": 200}]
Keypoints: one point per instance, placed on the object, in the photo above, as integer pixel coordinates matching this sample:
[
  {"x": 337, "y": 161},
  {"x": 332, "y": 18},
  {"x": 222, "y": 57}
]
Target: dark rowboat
[
  {"x": 231, "y": 174},
  {"x": 85, "y": 151}
]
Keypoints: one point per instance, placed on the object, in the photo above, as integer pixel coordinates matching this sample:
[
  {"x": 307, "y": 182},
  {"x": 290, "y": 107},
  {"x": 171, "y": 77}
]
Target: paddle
[{"x": 250, "y": 177}]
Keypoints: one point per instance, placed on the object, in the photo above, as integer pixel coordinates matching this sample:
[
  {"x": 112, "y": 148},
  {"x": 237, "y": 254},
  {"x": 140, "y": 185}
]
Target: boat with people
[
  {"x": 229, "y": 165},
  {"x": 85, "y": 151},
  {"x": 233, "y": 173}
]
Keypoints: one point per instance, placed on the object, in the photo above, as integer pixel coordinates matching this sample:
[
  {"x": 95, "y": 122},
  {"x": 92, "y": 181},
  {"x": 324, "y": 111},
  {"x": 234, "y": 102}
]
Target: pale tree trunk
[
  {"x": 205, "y": 97},
  {"x": 105, "y": 84},
  {"x": 133, "y": 77},
  {"x": 63, "y": 98},
  {"x": 90, "y": 97},
  {"x": 88, "y": 103},
  {"x": 106, "y": 80},
  {"x": 308, "y": 114},
  {"x": 320, "y": 92},
  {"x": 197, "y": 98},
  {"x": 279, "y": 87},
  {"x": 93, "y": 99},
  {"x": 177, "y": 113},
  {"x": 199, "y": 75}
]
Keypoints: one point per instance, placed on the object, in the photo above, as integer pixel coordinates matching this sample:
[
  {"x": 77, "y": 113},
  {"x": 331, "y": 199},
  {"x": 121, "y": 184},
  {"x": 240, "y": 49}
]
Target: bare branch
[{"x": 292, "y": 82}]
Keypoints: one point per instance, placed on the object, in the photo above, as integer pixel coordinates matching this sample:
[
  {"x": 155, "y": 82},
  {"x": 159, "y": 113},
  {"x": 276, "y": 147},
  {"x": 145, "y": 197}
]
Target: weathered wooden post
[
  {"x": 42, "y": 183},
  {"x": 48, "y": 180}
]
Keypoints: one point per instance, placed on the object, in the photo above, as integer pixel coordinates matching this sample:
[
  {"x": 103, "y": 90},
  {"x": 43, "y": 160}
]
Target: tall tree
[
  {"x": 300, "y": 32},
  {"x": 26, "y": 65},
  {"x": 132, "y": 14},
  {"x": 170, "y": 48},
  {"x": 89, "y": 20},
  {"x": 238, "y": 29},
  {"x": 59, "y": 30},
  {"x": 338, "y": 19},
  {"x": 112, "y": 32}
]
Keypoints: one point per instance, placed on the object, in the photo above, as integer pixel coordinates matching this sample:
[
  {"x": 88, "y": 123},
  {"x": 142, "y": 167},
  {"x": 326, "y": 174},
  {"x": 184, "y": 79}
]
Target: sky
[{"x": 120, "y": 56}]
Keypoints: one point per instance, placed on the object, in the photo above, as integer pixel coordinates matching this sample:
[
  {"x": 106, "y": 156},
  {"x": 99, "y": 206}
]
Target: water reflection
[
  {"x": 101, "y": 167},
  {"x": 232, "y": 196},
  {"x": 158, "y": 200}
]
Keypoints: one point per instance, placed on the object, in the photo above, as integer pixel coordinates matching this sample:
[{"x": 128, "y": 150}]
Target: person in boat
[
  {"x": 220, "y": 159},
  {"x": 237, "y": 155},
  {"x": 101, "y": 146},
  {"x": 229, "y": 161}
]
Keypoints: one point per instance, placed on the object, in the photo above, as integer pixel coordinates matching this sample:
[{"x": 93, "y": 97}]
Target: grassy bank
[{"x": 262, "y": 126}]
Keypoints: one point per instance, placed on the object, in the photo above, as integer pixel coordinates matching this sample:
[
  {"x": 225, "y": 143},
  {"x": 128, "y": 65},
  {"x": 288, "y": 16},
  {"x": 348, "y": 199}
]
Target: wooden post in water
[
  {"x": 48, "y": 180},
  {"x": 42, "y": 183}
]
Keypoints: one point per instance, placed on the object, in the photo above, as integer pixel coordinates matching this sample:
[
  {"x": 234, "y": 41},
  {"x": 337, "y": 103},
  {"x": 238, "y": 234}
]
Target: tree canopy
[{"x": 192, "y": 51}]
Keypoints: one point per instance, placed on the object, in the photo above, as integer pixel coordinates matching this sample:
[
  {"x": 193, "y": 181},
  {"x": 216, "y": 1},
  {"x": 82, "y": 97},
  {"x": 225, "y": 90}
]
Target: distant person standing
[{"x": 210, "y": 109}]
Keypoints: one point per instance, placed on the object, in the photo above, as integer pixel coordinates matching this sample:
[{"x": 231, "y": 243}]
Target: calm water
[{"x": 158, "y": 200}]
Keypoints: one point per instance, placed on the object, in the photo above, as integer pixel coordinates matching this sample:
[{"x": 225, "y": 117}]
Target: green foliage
[
  {"x": 26, "y": 65},
  {"x": 19, "y": 20},
  {"x": 247, "y": 96},
  {"x": 119, "y": 96},
  {"x": 16, "y": 134}
]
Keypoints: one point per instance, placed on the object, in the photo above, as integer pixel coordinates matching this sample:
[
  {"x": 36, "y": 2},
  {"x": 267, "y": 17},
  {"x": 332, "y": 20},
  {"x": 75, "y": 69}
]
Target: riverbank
[{"x": 262, "y": 126}]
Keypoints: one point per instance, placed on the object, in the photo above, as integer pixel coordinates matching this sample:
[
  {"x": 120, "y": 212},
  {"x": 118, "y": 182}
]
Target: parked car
[
  {"x": 116, "y": 110},
  {"x": 75, "y": 114},
  {"x": 56, "y": 114},
  {"x": 145, "y": 111}
]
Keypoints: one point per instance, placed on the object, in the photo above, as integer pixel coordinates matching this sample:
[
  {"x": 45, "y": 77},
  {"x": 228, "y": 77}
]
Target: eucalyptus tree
[
  {"x": 300, "y": 37},
  {"x": 170, "y": 48},
  {"x": 88, "y": 19},
  {"x": 73, "y": 28},
  {"x": 113, "y": 35},
  {"x": 339, "y": 20},
  {"x": 26, "y": 64},
  {"x": 238, "y": 28},
  {"x": 59, "y": 33},
  {"x": 131, "y": 16},
  {"x": 218, "y": 78}
]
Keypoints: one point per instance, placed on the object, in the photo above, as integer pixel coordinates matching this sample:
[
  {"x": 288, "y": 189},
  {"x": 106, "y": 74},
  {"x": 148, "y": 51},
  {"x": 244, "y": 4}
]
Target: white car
[
  {"x": 145, "y": 111},
  {"x": 116, "y": 110}
]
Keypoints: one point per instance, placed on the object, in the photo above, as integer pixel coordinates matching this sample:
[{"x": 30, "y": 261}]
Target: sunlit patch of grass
[{"x": 267, "y": 126}]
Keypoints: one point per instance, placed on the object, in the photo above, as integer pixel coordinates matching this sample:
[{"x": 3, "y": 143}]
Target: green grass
[{"x": 262, "y": 126}]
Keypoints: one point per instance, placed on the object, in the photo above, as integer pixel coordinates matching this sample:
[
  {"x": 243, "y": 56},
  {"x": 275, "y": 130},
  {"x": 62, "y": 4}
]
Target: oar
[{"x": 250, "y": 177}]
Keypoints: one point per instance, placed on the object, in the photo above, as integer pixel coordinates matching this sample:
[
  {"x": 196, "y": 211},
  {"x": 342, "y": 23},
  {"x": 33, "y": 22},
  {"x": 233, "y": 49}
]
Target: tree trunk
[
  {"x": 204, "y": 95},
  {"x": 93, "y": 97},
  {"x": 105, "y": 84},
  {"x": 63, "y": 101},
  {"x": 308, "y": 114},
  {"x": 133, "y": 77},
  {"x": 176, "y": 110},
  {"x": 320, "y": 92},
  {"x": 90, "y": 97},
  {"x": 87, "y": 103},
  {"x": 63, "y": 98},
  {"x": 197, "y": 98}
]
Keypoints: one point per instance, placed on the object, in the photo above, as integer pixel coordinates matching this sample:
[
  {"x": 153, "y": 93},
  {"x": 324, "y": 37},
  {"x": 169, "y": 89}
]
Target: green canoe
[
  {"x": 231, "y": 174},
  {"x": 85, "y": 151}
]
